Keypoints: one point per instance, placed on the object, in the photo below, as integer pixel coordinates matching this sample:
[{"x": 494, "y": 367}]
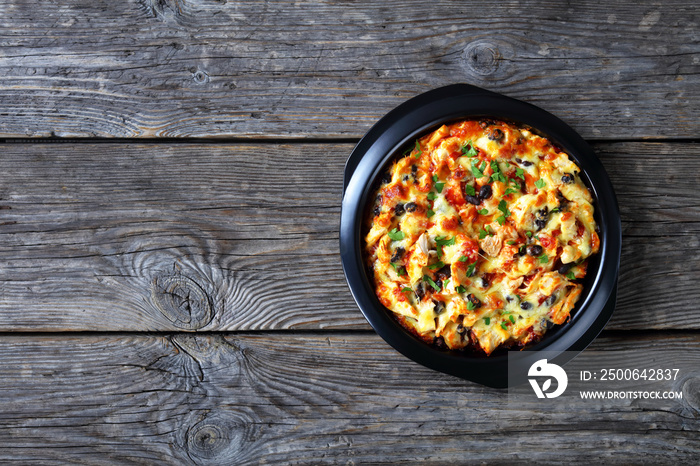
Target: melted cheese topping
[{"x": 479, "y": 235}]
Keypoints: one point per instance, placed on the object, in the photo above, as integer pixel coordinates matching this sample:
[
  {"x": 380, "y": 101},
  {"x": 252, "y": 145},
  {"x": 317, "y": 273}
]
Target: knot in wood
[
  {"x": 187, "y": 13},
  {"x": 219, "y": 438},
  {"x": 691, "y": 393},
  {"x": 200, "y": 77},
  {"x": 182, "y": 301},
  {"x": 207, "y": 441},
  {"x": 482, "y": 57}
]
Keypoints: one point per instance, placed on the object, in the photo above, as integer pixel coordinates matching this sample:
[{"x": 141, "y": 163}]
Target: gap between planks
[
  {"x": 613, "y": 333},
  {"x": 286, "y": 140}
]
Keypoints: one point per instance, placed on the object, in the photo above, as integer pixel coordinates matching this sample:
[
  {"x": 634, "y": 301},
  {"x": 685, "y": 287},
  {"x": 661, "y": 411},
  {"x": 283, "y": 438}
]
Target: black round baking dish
[{"x": 421, "y": 115}]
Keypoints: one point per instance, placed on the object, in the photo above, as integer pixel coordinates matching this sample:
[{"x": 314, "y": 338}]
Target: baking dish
[{"x": 421, "y": 115}]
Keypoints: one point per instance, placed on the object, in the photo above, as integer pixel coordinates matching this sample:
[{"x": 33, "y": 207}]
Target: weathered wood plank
[
  {"x": 190, "y": 68},
  {"x": 248, "y": 232},
  {"x": 272, "y": 397},
  {"x": 235, "y": 237},
  {"x": 656, "y": 187}
]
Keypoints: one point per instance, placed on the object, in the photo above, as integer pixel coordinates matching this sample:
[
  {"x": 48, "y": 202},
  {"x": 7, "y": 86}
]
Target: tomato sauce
[
  {"x": 397, "y": 190},
  {"x": 454, "y": 196}
]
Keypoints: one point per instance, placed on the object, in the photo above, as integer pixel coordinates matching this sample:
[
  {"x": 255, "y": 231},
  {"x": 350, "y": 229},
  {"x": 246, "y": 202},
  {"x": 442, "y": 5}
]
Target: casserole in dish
[{"x": 449, "y": 107}]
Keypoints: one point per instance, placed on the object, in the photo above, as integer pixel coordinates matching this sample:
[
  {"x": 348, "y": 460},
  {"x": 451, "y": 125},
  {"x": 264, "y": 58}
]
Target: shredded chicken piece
[
  {"x": 423, "y": 244},
  {"x": 513, "y": 285},
  {"x": 491, "y": 245}
]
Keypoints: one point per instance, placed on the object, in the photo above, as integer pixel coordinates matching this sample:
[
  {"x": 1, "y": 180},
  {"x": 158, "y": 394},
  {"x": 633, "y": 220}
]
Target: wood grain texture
[
  {"x": 660, "y": 210},
  {"x": 96, "y": 230},
  {"x": 195, "y": 68},
  {"x": 273, "y": 398},
  {"x": 245, "y": 237},
  {"x": 111, "y": 241}
]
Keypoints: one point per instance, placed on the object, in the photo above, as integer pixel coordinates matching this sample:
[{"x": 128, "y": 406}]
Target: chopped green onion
[
  {"x": 443, "y": 241},
  {"x": 420, "y": 152},
  {"x": 503, "y": 207},
  {"x": 497, "y": 174},
  {"x": 471, "y": 152},
  {"x": 396, "y": 235},
  {"x": 438, "y": 185},
  {"x": 504, "y": 326},
  {"x": 510, "y": 242},
  {"x": 478, "y": 171},
  {"x": 431, "y": 282},
  {"x": 437, "y": 265},
  {"x": 470, "y": 269},
  {"x": 514, "y": 188},
  {"x": 511, "y": 318}
]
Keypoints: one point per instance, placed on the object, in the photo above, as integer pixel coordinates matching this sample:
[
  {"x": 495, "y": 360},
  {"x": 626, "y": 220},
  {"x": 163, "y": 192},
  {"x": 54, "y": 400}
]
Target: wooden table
[{"x": 170, "y": 283}]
